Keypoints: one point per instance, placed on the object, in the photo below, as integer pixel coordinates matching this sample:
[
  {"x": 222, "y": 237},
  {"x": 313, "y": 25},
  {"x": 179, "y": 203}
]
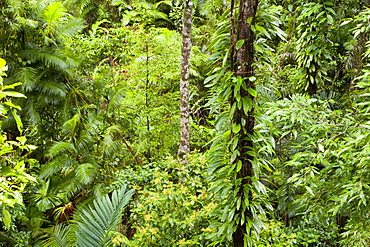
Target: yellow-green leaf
[{"x": 7, "y": 218}]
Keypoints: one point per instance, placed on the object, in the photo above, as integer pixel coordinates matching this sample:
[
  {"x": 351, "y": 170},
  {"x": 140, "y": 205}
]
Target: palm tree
[{"x": 33, "y": 40}]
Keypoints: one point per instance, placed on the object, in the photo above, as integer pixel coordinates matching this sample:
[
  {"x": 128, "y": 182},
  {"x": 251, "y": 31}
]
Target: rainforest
[{"x": 183, "y": 123}]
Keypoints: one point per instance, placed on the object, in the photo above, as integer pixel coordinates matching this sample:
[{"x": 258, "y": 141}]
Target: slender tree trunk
[
  {"x": 184, "y": 82},
  {"x": 243, "y": 67}
]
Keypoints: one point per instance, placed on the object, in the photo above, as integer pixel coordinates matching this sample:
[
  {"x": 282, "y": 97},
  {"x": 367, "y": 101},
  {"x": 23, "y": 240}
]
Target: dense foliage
[{"x": 90, "y": 124}]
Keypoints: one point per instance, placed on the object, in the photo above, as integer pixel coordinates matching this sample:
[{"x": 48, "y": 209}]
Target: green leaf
[
  {"x": 18, "y": 121},
  {"x": 12, "y": 105},
  {"x": 321, "y": 147},
  {"x": 95, "y": 223},
  {"x": 310, "y": 190},
  {"x": 11, "y": 94},
  {"x": 2, "y": 63},
  {"x": 247, "y": 104},
  {"x": 7, "y": 218},
  {"x": 239, "y": 44},
  {"x": 236, "y": 128},
  {"x": 252, "y": 92},
  {"x": 239, "y": 166}
]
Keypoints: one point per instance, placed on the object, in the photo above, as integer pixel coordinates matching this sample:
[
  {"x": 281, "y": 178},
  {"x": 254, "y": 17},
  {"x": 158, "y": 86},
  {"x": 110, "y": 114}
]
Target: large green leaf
[{"x": 97, "y": 222}]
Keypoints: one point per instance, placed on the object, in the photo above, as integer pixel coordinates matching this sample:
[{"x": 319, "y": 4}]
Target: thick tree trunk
[
  {"x": 243, "y": 67},
  {"x": 184, "y": 82}
]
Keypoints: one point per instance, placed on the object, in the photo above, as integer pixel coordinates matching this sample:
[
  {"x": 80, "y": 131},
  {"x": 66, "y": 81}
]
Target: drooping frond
[
  {"x": 70, "y": 125},
  {"x": 28, "y": 77},
  {"x": 40, "y": 5},
  {"x": 85, "y": 142},
  {"x": 53, "y": 89},
  {"x": 31, "y": 112},
  {"x": 96, "y": 222},
  {"x": 61, "y": 148},
  {"x": 116, "y": 99},
  {"x": 55, "y": 166},
  {"x": 111, "y": 142},
  {"x": 54, "y": 13},
  {"x": 70, "y": 28},
  {"x": 85, "y": 173},
  {"x": 49, "y": 57}
]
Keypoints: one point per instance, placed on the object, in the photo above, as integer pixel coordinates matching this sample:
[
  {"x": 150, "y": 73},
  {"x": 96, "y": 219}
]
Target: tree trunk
[
  {"x": 184, "y": 82},
  {"x": 243, "y": 67}
]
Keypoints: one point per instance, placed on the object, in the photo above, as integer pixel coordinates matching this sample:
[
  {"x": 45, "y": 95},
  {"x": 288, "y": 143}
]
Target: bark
[
  {"x": 184, "y": 82},
  {"x": 243, "y": 67}
]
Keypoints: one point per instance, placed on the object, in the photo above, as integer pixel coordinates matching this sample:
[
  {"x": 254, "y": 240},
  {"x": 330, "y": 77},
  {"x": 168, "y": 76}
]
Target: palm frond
[
  {"x": 70, "y": 28},
  {"x": 59, "y": 148},
  {"x": 116, "y": 99},
  {"x": 54, "y": 89},
  {"x": 96, "y": 222},
  {"x": 85, "y": 143},
  {"x": 28, "y": 77},
  {"x": 51, "y": 58},
  {"x": 85, "y": 173},
  {"x": 70, "y": 126},
  {"x": 110, "y": 145},
  {"x": 60, "y": 236},
  {"x": 40, "y": 6},
  {"x": 56, "y": 165},
  {"x": 54, "y": 13}
]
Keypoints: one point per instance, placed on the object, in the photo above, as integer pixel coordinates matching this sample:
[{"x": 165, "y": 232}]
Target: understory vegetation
[{"x": 90, "y": 123}]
